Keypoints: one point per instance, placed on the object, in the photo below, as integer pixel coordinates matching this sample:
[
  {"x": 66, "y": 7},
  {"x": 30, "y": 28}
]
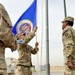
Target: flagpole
[
  {"x": 65, "y": 8},
  {"x": 47, "y": 41}
]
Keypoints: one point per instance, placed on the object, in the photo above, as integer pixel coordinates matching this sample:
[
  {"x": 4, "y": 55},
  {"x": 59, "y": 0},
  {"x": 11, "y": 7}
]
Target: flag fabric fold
[{"x": 27, "y": 20}]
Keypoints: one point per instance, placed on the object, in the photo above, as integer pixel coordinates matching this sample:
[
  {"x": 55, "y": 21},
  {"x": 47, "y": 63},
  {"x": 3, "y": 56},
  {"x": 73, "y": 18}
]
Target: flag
[{"x": 27, "y": 20}]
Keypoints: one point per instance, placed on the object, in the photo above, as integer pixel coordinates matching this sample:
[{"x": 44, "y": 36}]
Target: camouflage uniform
[
  {"x": 3, "y": 68},
  {"x": 24, "y": 61},
  {"x": 68, "y": 38},
  {"x": 6, "y": 38},
  {"x": 6, "y": 35}
]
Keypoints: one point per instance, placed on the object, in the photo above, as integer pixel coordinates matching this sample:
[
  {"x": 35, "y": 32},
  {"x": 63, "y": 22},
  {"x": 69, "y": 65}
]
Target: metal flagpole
[
  {"x": 47, "y": 41},
  {"x": 65, "y": 8}
]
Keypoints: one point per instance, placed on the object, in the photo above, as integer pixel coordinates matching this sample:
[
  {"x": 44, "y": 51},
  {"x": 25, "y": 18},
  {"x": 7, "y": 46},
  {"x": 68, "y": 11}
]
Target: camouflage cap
[
  {"x": 18, "y": 34},
  {"x": 69, "y": 18}
]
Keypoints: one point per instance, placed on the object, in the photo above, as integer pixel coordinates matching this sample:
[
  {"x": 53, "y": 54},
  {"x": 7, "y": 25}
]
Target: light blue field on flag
[{"x": 27, "y": 21}]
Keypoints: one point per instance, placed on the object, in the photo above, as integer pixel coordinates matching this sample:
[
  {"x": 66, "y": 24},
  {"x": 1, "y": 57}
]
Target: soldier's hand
[
  {"x": 35, "y": 28},
  {"x": 36, "y": 44},
  {"x": 69, "y": 64}
]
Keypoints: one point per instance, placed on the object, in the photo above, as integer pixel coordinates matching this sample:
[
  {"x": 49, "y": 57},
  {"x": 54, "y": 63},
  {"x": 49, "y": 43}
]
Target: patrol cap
[
  {"x": 69, "y": 18},
  {"x": 18, "y": 34}
]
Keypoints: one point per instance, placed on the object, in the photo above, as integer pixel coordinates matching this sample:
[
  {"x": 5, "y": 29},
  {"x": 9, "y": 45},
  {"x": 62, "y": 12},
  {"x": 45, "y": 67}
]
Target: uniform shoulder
[
  {"x": 1, "y": 6},
  {"x": 68, "y": 28}
]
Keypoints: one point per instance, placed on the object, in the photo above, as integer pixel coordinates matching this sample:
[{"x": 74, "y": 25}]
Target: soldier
[
  {"x": 7, "y": 39},
  {"x": 68, "y": 39},
  {"x": 25, "y": 51}
]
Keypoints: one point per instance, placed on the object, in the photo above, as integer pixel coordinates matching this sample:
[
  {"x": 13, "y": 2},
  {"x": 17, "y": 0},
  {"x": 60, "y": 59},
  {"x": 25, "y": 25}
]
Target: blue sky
[{"x": 15, "y": 8}]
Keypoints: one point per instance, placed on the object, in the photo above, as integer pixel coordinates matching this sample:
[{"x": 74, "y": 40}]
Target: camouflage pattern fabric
[
  {"x": 68, "y": 39},
  {"x": 7, "y": 38},
  {"x": 3, "y": 72},
  {"x": 28, "y": 37},
  {"x": 21, "y": 70},
  {"x": 3, "y": 67},
  {"x": 69, "y": 71},
  {"x": 6, "y": 35},
  {"x": 11, "y": 74},
  {"x": 25, "y": 51}
]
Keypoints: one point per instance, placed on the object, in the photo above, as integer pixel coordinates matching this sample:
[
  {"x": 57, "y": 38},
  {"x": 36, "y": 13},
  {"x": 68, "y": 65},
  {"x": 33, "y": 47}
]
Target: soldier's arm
[
  {"x": 69, "y": 44},
  {"x": 29, "y": 37},
  {"x": 5, "y": 15},
  {"x": 36, "y": 49}
]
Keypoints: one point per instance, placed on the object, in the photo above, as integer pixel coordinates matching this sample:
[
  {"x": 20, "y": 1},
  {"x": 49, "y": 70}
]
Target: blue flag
[{"x": 27, "y": 21}]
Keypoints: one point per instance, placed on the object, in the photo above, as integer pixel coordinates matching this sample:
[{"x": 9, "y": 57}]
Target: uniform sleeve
[
  {"x": 5, "y": 15},
  {"x": 35, "y": 50},
  {"x": 29, "y": 37},
  {"x": 69, "y": 44}
]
